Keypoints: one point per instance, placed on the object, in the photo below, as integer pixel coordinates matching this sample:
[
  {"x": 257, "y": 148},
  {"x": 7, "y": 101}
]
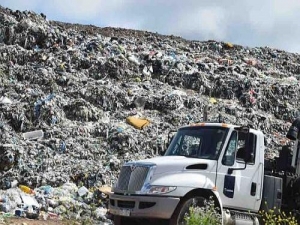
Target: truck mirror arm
[{"x": 230, "y": 170}]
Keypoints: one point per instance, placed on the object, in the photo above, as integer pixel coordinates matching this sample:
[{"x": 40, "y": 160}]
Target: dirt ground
[{"x": 25, "y": 221}]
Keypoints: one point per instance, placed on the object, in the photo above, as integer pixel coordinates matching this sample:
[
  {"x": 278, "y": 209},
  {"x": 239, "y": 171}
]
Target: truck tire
[{"x": 183, "y": 208}]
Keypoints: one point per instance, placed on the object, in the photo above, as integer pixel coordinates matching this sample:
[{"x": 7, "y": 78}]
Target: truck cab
[{"x": 203, "y": 161}]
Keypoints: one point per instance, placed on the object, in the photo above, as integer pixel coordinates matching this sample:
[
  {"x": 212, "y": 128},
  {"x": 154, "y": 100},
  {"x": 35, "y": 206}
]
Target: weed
[{"x": 205, "y": 215}]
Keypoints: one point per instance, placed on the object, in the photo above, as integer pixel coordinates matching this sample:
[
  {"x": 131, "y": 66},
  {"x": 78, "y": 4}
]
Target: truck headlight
[{"x": 161, "y": 189}]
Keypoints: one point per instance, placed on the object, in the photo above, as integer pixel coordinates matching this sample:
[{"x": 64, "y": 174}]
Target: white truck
[{"x": 219, "y": 161}]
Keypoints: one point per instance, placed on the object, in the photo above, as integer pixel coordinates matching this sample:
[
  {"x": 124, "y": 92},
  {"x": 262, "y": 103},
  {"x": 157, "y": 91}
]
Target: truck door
[{"x": 242, "y": 188}]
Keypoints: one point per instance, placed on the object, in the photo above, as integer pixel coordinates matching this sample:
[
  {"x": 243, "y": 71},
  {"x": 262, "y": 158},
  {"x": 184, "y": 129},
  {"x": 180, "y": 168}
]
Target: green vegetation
[
  {"x": 277, "y": 217},
  {"x": 206, "y": 215}
]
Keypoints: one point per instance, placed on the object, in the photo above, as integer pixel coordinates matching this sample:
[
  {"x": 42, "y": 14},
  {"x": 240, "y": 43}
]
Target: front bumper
[{"x": 142, "y": 206}]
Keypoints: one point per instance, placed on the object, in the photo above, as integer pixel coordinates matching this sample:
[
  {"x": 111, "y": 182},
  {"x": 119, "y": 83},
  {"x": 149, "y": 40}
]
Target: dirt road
[{"x": 24, "y": 221}]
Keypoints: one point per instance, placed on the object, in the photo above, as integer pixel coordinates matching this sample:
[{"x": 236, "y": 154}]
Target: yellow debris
[
  {"x": 138, "y": 123},
  {"x": 213, "y": 100},
  {"x": 137, "y": 79},
  {"x": 228, "y": 45},
  {"x": 130, "y": 93},
  {"x": 105, "y": 189}
]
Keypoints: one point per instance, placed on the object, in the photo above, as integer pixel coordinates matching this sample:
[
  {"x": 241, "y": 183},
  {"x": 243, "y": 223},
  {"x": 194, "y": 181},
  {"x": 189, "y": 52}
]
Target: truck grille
[
  {"x": 132, "y": 178},
  {"x": 126, "y": 204}
]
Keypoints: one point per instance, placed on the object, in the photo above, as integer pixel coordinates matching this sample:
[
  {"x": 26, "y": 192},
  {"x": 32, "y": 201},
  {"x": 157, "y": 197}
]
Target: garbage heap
[
  {"x": 67, "y": 202},
  {"x": 76, "y": 101}
]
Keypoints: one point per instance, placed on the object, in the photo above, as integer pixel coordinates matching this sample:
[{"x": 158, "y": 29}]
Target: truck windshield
[{"x": 203, "y": 142}]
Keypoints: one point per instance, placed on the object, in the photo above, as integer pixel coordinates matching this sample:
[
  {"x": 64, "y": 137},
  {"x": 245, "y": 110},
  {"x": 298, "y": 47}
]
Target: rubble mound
[{"x": 67, "y": 91}]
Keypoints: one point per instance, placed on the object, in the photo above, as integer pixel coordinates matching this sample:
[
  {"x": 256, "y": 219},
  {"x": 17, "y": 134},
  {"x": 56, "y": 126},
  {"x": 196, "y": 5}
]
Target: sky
[{"x": 253, "y": 23}]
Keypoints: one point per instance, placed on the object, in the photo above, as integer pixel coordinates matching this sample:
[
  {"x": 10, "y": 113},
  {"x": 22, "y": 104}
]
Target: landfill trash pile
[
  {"x": 76, "y": 102},
  {"x": 55, "y": 203}
]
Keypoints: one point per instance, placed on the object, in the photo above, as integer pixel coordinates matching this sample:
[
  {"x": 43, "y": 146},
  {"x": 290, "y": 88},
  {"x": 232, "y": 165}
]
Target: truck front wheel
[{"x": 183, "y": 209}]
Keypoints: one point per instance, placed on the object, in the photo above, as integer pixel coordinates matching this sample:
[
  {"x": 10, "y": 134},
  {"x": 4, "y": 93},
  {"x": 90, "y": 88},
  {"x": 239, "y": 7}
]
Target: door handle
[{"x": 253, "y": 189}]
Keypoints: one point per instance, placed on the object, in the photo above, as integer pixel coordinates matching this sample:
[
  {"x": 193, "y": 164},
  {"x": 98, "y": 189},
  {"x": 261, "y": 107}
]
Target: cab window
[
  {"x": 236, "y": 148},
  {"x": 242, "y": 142},
  {"x": 229, "y": 156}
]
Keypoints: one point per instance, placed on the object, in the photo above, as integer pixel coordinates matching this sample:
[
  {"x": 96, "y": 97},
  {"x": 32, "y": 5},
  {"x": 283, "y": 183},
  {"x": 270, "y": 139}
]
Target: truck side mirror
[
  {"x": 171, "y": 136},
  {"x": 292, "y": 133}
]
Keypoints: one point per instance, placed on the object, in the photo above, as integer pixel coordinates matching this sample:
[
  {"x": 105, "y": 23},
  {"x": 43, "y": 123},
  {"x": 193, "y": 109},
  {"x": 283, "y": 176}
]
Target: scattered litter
[
  {"x": 33, "y": 135},
  {"x": 5, "y": 100},
  {"x": 138, "y": 123}
]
